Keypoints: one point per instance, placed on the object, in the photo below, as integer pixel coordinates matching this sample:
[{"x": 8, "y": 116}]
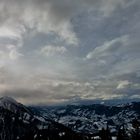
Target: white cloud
[
  {"x": 137, "y": 96},
  {"x": 8, "y": 33},
  {"x": 123, "y": 84},
  {"x": 52, "y": 15},
  {"x": 10, "y": 52},
  {"x": 44, "y": 16},
  {"x": 53, "y": 50},
  {"x": 108, "y": 47},
  {"x": 14, "y": 54}
]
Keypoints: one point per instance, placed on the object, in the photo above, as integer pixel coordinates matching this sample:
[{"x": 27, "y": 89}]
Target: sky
[{"x": 54, "y": 51}]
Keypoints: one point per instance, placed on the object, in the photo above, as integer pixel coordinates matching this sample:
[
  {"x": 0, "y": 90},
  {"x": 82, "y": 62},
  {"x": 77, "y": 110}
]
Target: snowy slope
[{"x": 92, "y": 118}]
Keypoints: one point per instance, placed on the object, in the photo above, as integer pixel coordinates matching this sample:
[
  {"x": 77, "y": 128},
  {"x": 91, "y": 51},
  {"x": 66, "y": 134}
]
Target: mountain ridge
[
  {"x": 19, "y": 122},
  {"x": 90, "y": 118}
]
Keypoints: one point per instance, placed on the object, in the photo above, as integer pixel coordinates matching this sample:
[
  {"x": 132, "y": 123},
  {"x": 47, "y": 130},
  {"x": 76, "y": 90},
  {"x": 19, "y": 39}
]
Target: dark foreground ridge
[{"x": 18, "y": 122}]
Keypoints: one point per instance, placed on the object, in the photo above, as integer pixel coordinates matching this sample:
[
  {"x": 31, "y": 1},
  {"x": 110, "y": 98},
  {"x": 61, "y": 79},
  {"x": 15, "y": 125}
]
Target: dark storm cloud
[{"x": 59, "y": 50}]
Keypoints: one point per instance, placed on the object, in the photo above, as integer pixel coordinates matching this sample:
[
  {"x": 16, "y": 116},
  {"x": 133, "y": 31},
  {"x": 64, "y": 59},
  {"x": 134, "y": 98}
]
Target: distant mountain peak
[
  {"x": 12, "y": 105},
  {"x": 8, "y": 99}
]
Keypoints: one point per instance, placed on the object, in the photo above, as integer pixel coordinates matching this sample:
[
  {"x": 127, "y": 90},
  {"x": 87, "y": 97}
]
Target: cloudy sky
[{"x": 54, "y": 51}]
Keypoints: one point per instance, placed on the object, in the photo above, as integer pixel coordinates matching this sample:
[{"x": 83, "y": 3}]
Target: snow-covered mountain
[
  {"x": 92, "y": 118},
  {"x": 18, "y": 122},
  {"x": 84, "y": 122}
]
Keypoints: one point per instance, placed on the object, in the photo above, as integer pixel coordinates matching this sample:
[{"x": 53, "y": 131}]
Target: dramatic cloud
[
  {"x": 54, "y": 51},
  {"x": 123, "y": 84},
  {"x": 108, "y": 48}
]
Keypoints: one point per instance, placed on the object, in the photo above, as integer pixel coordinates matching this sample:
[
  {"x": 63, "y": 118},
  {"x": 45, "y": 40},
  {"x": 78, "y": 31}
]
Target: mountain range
[
  {"x": 71, "y": 122},
  {"x": 90, "y": 119}
]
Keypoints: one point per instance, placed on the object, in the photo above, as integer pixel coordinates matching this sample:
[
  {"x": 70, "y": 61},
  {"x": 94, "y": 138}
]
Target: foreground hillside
[{"x": 18, "y": 122}]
